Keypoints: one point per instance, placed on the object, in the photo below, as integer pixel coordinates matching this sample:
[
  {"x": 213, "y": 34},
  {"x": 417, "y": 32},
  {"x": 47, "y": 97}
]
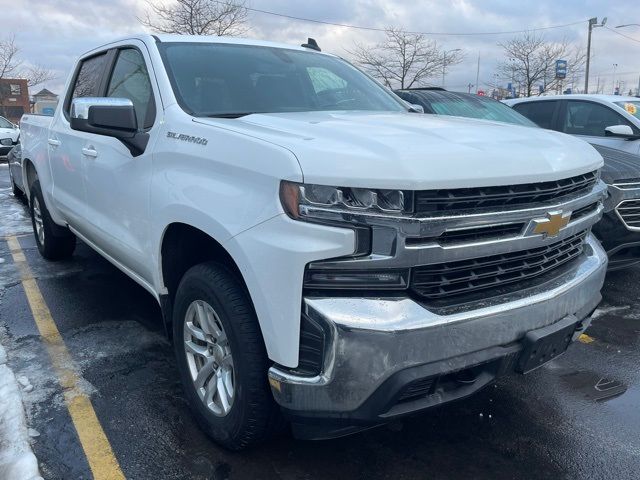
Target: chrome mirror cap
[{"x": 80, "y": 106}]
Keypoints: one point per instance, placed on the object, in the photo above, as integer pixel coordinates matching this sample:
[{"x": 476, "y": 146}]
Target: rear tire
[
  {"x": 54, "y": 242},
  {"x": 14, "y": 188},
  {"x": 214, "y": 317}
]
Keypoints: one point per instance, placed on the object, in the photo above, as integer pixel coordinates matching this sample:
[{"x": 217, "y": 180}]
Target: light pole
[
  {"x": 444, "y": 62},
  {"x": 593, "y": 23},
  {"x": 615, "y": 65}
]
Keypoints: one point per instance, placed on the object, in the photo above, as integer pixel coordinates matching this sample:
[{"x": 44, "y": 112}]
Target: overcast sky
[{"x": 53, "y": 32}]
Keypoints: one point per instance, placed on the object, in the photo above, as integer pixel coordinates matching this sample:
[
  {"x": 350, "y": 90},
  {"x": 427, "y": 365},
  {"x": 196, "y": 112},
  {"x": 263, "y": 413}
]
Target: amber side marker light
[{"x": 290, "y": 198}]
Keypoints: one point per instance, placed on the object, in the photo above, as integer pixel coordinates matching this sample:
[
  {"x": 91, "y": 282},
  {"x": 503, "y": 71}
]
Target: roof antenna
[{"x": 312, "y": 44}]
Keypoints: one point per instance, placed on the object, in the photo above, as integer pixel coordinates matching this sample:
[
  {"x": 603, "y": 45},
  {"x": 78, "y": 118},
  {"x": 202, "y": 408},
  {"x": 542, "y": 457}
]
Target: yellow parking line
[{"x": 95, "y": 444}]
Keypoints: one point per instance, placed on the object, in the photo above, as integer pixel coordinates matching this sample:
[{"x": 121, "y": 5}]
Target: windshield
[
  {"x": 479, "y": 107},
  {"x": 217, "y": 79},
  {"x": 4, "y": 123},
  {"x": 631, "y": 107}
]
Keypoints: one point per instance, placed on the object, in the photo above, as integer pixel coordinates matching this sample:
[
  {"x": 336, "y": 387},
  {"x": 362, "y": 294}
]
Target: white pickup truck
[{"x": 321, "y": 254}]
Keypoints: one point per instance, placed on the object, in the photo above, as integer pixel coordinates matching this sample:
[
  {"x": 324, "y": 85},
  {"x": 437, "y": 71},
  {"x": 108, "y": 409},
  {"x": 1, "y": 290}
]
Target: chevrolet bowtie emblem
[{"x": 551, "y": 226}]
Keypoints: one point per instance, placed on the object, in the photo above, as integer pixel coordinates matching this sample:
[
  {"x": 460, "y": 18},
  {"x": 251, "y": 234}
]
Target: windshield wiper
[{"x": 228, "y": 114}]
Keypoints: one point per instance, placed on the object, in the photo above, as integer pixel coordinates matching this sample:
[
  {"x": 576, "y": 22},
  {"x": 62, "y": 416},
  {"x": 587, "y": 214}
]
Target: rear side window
[
  {"x": 590, "y": 118},
  {"x": 540, "y": 113},
  {"x": 130, "y": 79},
  {"x": 324, "y": 80},
  {"x": 89, "y": 77}
]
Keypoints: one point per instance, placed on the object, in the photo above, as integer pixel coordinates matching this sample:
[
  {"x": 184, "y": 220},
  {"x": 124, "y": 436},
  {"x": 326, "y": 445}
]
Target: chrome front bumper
[{"x": 373, "y": 340}]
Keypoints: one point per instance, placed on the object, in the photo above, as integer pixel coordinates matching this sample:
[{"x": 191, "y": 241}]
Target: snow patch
[
  {"x": 17, "y": 460},
  {"x": 15, "y": 215}
]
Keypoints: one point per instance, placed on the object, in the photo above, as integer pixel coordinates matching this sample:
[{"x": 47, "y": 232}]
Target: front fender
[{"x": 272, "y": 258}]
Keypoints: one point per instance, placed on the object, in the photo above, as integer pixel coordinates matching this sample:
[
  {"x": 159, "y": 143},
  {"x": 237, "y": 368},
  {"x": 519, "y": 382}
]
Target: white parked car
[
  {"x": 609, "y": 120},
  {"x": 316, "y": 249},
  {"x": 9, "y": 135}
]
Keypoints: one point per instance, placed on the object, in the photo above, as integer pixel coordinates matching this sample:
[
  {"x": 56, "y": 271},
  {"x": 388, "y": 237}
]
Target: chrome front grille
[
  {"x": 457, "y": 258},
  {"x": 451, "y": 279},
  {"x": 629, "y": 213},
  {"x": 442, "y": 202}
]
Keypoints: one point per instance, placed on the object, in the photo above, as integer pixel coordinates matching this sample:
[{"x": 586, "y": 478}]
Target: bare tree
[
  {"x": 531, "y": 62},
  {"x": 12, "y": 66},
  {"x": 9, "y": 62},
  {"x": 197, "y": 17},
  {"x": 404, "y": 59}
]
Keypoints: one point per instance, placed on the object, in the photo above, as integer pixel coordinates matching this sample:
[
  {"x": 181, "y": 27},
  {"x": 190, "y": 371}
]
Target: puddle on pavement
[
  {"x": 593, "y": 386},
  {"x": 627, "y": 406}
]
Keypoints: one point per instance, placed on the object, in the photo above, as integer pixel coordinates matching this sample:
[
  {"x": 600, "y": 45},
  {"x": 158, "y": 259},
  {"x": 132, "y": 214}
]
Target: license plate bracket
[{"x": 545, "y": 344}]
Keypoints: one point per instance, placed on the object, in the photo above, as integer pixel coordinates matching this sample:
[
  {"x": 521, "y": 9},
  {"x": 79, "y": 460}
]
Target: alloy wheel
[
  {"x": 209, "y": 357},
  {"x": 37, "y": 218}
]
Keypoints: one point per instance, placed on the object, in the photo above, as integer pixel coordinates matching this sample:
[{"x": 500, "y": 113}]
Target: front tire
[
  {"x": 54, "y": 242},
  {"x": 222, "y": 359}
]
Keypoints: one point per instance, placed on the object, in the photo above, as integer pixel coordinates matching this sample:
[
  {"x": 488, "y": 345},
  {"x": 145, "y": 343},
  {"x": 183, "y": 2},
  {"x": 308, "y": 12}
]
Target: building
[
  {"x": 45, "y": 95},
  {"x": 44, "y": 102},
  {"x": 14, "y": 98}
]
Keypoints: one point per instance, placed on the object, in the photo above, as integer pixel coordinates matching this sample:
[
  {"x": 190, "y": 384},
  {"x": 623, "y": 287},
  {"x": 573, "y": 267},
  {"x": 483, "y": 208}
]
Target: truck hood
[{"x": 413, "y": 151}]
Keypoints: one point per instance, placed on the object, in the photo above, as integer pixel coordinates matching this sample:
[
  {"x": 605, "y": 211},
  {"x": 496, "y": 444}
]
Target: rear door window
[
  {"x": 89, "y": 77},
  {"x": 541, "y": 113}
]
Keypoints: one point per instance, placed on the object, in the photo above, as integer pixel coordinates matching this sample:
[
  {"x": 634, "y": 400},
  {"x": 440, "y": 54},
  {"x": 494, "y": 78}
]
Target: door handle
[
  {"x": 90, "y": 152},
  {"x": 53, "y": 142}
]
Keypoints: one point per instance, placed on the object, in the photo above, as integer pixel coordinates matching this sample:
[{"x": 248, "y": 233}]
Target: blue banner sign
[{"x": 561, "y": 69}]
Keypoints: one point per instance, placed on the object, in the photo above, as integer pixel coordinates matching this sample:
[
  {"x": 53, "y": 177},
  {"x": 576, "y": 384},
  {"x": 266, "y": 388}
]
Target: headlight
[
  {"x": 346, "y": 207},
  {"x": 6, "y": 142},
  {"x": 304, "y": 200}
]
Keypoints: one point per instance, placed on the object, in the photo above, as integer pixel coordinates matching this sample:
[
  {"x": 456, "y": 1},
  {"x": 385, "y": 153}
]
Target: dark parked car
[
  {"x": 438, "y": 101},
  {"x": 619, "y": 229},
  {"x": 14, "y": 158}
]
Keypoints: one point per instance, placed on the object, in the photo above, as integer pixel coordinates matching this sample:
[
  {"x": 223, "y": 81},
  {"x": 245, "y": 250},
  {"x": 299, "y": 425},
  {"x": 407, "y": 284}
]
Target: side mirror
[
  {"x": 415, "y": 108},
  {"x": 623, "y": 131},
  {"x": 111, "y": 117}
]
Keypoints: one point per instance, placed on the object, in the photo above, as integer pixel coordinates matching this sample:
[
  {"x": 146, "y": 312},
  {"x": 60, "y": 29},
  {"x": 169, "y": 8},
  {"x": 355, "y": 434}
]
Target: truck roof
[{"x": 172, "y": 38}]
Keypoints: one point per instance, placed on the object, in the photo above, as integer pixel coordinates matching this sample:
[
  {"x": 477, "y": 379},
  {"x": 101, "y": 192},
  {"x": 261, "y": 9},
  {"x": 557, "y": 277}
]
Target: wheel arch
[{"x": 183, "y": 246}]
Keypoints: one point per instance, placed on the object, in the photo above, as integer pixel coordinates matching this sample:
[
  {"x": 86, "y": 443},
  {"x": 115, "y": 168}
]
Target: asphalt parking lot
[{"x": 577, "y": 417}]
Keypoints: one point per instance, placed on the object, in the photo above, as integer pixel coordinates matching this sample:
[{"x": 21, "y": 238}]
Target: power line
[
  {"x": 622, "y": 34},
  {"x": 375, "y": 29}
]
